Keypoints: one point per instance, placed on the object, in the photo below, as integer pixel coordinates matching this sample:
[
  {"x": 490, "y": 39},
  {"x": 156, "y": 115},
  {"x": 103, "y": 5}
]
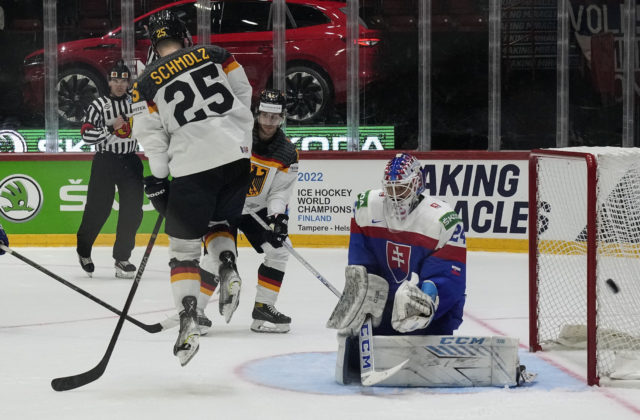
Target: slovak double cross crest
[{"x": 398, "y": 257}]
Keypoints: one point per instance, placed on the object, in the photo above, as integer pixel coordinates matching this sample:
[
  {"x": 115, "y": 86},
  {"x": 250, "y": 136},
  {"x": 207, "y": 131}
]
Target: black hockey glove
[
  {"x": 279, "y": 229},
  {"x": 157, "y": 191}
]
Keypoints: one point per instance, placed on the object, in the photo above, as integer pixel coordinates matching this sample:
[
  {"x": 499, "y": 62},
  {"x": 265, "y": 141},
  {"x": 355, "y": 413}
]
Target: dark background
[{"x": 459, "y": 72}]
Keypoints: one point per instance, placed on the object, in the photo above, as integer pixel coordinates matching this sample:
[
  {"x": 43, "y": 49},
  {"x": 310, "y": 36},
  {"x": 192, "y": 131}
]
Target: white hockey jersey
[
  {"x": 274, "y": 170},
  {"x": 197, "y": 114}
]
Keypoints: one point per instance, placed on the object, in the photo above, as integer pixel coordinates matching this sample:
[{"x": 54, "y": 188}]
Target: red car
[{"x": 316, "y": 72}]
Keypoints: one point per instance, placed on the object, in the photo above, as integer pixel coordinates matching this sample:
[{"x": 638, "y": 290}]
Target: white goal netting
[{"x": 562, "y": 255}]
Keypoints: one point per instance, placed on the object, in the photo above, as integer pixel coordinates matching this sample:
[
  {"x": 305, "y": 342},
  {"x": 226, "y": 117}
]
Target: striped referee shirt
[{"x": 97, "y": 125}]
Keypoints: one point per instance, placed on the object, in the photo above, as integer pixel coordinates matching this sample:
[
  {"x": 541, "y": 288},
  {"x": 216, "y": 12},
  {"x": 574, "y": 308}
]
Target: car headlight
[{"x": 35, "y": 60}]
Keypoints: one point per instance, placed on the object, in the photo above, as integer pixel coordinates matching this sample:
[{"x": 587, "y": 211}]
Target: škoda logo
[
  {"x": 12, "y": 141},
  {"x": 20, "y": 198}
]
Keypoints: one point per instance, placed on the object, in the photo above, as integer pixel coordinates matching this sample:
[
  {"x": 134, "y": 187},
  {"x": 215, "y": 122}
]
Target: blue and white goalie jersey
[
  {"x": 431, "y": 244},
  {"x": 192, "y": 111}
]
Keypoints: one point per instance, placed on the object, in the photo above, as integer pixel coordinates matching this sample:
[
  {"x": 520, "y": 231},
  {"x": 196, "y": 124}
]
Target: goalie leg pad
[
  {"x": 440, "y": 361},
  {"x": 363, "y": 294}
]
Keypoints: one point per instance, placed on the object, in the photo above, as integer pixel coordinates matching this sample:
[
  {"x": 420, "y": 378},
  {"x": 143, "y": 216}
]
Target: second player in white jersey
[{"x": 274, "y": 169}]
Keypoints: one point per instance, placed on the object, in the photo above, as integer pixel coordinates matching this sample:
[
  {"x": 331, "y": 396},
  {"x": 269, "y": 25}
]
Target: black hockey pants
[{"x": 108, "y": 171}]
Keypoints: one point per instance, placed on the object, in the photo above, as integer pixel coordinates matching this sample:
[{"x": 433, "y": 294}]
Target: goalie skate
[
  {"x": 230, "y": 284},
  {"x": 523, "y": 376},
  {"x": 267, "y": 319},
  {"x": 188, "y": 340},
  {"x": 125, "y": 270}
]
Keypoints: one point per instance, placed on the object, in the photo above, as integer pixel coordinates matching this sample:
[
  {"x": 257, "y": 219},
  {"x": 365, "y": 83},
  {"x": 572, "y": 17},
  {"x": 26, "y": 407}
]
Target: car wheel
[
  {"x": 308, "y": 94},
  {"x": 77, "y": 88}
]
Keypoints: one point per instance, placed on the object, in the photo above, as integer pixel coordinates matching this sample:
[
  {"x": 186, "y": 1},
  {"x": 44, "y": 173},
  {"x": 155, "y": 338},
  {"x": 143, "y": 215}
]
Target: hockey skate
[
  {"x": 87, "y": 265},
  {"x": 230, "y": 284},
  {"x": 204, "y": 323},
  {"x": 125, "y": 270},
  {"x": 188, "y": 340},
  {"x": 267, "y": 319}
]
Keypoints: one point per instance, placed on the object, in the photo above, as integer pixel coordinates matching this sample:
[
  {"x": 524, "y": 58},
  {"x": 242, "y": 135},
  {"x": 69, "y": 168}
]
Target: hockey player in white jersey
[
  {"x": 274, "y": 169},
  {"x": 405, "y": 285},
  {"x": 194, "y": 122}
]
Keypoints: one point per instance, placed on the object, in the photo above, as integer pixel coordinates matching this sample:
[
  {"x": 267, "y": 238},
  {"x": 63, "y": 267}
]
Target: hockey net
[{"x": 584, "y": 207}]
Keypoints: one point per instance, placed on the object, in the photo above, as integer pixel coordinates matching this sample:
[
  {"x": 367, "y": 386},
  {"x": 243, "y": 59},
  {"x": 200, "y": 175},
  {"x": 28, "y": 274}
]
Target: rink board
[{"x": 42, "y": 197}]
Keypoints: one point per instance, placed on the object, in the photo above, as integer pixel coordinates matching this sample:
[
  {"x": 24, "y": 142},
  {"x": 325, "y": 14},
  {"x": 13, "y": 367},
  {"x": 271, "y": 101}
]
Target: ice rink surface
[{"x": 47, "y": 330}]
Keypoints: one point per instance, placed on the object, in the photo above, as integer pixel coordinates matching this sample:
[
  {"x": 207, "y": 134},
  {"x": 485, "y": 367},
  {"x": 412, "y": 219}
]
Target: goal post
[{"x": 584, "y": 257}]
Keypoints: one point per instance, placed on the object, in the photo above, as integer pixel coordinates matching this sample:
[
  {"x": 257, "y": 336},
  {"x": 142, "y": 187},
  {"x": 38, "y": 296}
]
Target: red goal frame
[{"x": 591, "y": 308}]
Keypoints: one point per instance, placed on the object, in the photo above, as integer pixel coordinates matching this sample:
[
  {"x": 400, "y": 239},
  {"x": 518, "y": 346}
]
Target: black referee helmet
[{"x": 119, "y": 71}]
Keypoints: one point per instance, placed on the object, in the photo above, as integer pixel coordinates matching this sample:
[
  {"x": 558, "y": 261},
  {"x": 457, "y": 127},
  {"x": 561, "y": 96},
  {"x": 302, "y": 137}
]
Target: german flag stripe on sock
[
  {"x": 185, "y": 273},
  {"x": 270, "y": 278},
  {"x": 269, "y": 283},
  {"x": 207, "y": 289}
]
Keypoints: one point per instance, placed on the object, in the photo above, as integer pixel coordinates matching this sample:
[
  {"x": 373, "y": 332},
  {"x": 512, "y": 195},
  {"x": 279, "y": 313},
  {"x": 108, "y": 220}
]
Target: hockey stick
[
  {"x": 152, "y": 328},
  {"x": 75, "y": 381},
  {"x": 368, "y": 375}
]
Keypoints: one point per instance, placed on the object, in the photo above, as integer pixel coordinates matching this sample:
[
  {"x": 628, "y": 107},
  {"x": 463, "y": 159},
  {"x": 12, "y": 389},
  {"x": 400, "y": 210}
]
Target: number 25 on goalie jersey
[
  {"x": 197, "y": 114},
  {"x": 431, "y": 243}
]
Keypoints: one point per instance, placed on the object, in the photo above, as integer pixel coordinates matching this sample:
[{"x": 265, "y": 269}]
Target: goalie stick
[
  {"x": 368, "y": 375},
  {"x": 81, "y": 379},
  {"x": 151, "y": 328}
]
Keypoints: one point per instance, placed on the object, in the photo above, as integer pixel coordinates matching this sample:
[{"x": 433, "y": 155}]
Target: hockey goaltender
[{"x": 405, "y": 285}]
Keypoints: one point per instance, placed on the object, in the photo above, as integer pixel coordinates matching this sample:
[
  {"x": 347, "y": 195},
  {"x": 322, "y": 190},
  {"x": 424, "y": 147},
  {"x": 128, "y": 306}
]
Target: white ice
[{"x": 48, "y": 330}]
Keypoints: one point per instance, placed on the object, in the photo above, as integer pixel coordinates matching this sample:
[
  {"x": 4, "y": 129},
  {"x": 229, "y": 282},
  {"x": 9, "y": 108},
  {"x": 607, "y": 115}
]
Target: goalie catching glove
[
  {"x": 157, "y": 191},
  {"x": 279, "y": 229},
  {"x": 413, "y": 309}
]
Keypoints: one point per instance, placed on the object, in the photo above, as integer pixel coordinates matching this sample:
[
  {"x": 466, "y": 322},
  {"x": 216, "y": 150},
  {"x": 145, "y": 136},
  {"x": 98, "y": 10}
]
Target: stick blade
[
  {"x": 76, "y": 381},
  {"x": 372, "y": 377},
  {"x": 156, "y": 328}
]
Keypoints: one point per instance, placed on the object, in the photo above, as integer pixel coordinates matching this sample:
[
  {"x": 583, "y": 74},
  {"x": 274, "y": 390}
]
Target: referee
[{"x": 115, "y": 164}]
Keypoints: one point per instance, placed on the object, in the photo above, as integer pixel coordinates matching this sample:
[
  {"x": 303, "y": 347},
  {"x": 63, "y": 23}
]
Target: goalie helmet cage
[{"x": 584, "y": 229}]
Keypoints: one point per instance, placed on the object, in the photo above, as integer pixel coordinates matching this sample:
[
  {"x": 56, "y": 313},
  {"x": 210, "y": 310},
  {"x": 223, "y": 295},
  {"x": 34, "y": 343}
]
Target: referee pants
[{"x": 109, "y": 170}]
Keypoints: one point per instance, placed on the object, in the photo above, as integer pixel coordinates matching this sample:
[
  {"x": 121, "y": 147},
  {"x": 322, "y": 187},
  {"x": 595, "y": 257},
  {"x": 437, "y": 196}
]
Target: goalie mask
[
  {"x": 402, "y": 184},
  {"x": 166, "y": 25}
]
